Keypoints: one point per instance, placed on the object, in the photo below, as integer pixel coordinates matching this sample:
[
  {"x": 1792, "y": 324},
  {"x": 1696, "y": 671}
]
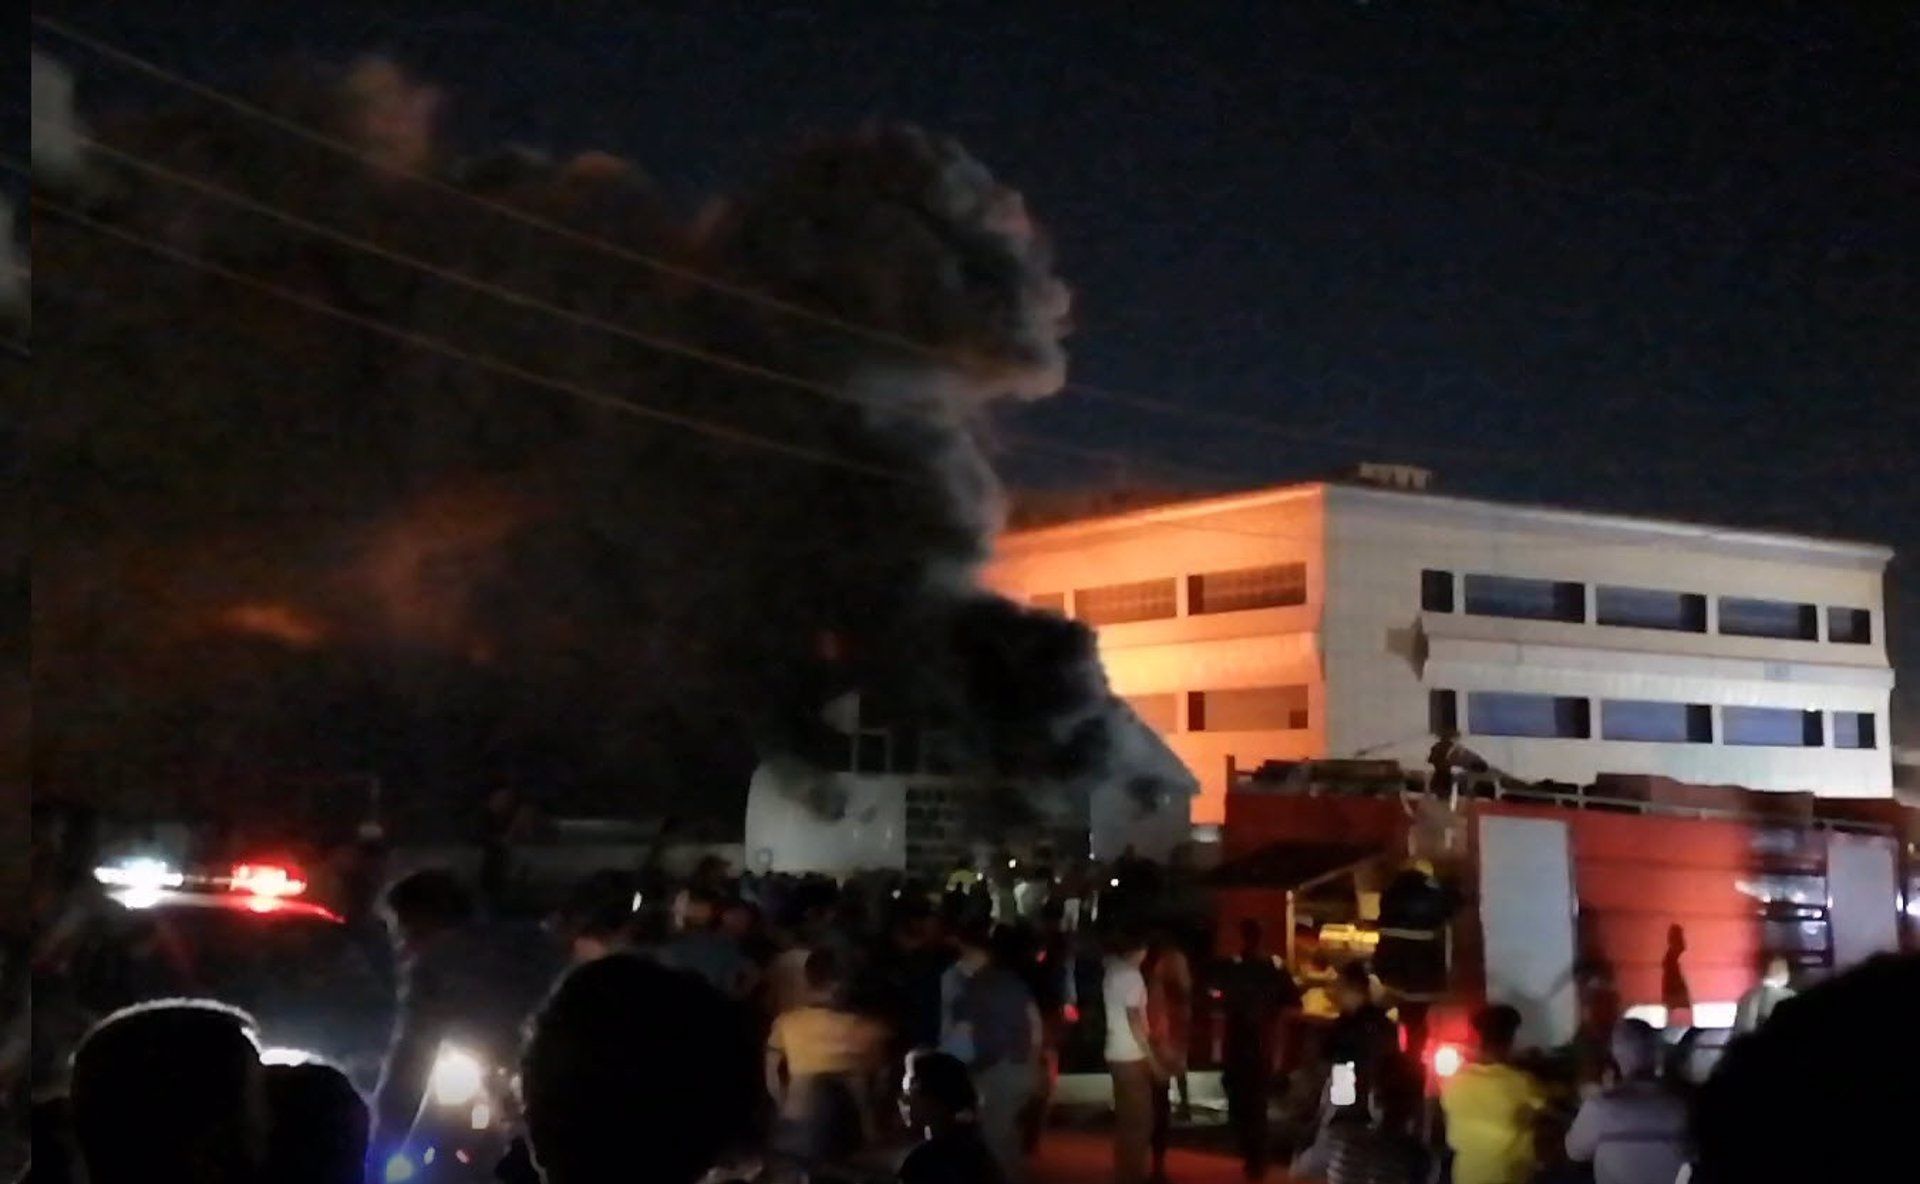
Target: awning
[{"x": 1293, "y": 866}]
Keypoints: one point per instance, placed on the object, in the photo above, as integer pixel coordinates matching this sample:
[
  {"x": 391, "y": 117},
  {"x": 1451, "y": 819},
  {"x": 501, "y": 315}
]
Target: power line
[
  {"x": 690, "y": 275},
  {"x": 718, "y": 431}
]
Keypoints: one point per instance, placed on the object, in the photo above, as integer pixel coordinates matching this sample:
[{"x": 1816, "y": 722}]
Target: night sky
[{"x": 1556, "y": 251}]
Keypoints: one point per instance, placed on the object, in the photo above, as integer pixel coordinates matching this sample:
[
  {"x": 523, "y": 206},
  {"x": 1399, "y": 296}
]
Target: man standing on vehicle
[{"x": 459, "y": 984}]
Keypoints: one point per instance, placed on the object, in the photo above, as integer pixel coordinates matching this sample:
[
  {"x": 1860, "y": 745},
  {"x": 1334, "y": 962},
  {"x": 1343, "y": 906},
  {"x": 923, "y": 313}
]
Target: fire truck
[{"x": 1636, "y": 895}]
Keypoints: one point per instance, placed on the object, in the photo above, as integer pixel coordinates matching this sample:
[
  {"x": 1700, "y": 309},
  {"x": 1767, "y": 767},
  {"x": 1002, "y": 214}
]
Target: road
[{"x": 1070, "y": 1155}]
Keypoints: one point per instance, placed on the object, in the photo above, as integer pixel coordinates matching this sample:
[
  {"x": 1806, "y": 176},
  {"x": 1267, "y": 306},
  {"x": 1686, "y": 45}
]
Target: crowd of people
[{"x": 726, "y": 1027}]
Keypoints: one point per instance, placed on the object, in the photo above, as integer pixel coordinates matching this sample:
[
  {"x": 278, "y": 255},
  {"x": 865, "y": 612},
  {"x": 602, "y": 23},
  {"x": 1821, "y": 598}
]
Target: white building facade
[{"x": 1327, "y": 620}]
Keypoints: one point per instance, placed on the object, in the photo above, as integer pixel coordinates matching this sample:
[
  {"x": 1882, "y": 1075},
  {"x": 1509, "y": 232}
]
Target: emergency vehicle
[{"x": 1637, "y": 895}]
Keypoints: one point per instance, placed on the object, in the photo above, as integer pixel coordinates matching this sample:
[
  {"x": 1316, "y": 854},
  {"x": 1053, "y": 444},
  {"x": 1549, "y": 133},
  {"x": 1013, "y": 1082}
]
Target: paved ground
[{"x": 1080, "y": 1156}]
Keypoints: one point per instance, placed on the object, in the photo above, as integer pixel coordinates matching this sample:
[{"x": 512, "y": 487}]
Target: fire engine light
[
  {"x": 1012, "y": 863},
  {"x": 1447, "y": 1061},
  {"x": 265, "y": 880},
  {"x": 457, "y": 1077},
  {"x": 1114, "y": 883},
  {"x": 399, "y": 1169},
  {"x": 1071, "y": 1013}
]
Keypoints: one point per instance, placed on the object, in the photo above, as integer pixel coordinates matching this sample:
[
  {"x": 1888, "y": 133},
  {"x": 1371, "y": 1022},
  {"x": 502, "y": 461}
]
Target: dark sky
[{"x": 1590, "y": 253}]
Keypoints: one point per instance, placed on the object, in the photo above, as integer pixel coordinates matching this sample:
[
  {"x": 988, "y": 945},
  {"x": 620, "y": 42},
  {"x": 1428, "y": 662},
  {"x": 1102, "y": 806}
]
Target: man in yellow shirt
[{"x": 1491, "y": 1107}]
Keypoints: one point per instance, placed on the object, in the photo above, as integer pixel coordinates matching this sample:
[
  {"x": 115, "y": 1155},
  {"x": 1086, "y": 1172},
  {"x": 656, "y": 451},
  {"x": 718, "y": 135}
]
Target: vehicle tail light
[{"x": 266, "y": 880}]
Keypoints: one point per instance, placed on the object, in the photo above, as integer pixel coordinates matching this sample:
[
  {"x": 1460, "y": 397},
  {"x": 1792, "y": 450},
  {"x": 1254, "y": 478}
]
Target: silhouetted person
[
  {"x": 458, "y": 982},
  {"x": 1635, "y": 1131},
  {"x": 1362, "y": 1034},
  {"x": 1378, "y": 1149},
  {"x": 1491, "y": 1106},
  {"x": 1002, "y": 1029},
  {"x": 636, "y": 1071},
  {"x": 1675, "y": 996},
  {"x": 319, "y": 1126},
  {"x": 939, "y": 1105},
  {"x": 1255, "y": 992},
  {"x": 170, "y": 1093},
  {"x": 597, "y": 918},
  {"x": 1825, "y": 1090}
]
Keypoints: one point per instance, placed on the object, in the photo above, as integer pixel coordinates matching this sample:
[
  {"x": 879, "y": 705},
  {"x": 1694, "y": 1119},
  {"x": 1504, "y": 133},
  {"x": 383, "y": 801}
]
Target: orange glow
[
  {"x": 266, "y": 880},
  {"x": 422, "y": 564},
  {"x": 275, "y": 621}
]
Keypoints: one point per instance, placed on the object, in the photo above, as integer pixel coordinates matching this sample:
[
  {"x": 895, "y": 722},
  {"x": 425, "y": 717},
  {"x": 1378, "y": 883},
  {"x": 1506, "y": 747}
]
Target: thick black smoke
[{"x": 273, "y": 542}]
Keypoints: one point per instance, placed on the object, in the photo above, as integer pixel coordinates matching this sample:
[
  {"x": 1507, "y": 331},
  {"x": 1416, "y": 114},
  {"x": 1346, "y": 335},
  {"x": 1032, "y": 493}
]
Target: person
[
  {"x": 1130, "y": 1059},
  {"x": 1382, "y": 1149},
  {"x": 1823, "y": 1090},
  {"x": 319, "y": 1127},
  {"x": 818, "y": 1061},
  {"x": 458, "y": 982},
  {"x": 1773, "y": 989},
  {"x": 1490, "y": 1106},
  {"x": 1002, "y": 1028},
  {"x": 1169, "y": 978},
  {"x": 1635, "y": 1131},
  {"x": 1411, "y": 958},
  {"x": 610, "y": 1089},
  {"x": 597, "y": 917},
  {"x": 1255, "y": 993},
  {"x": 705, "y": 949},
  {"x": 938, "y": 1103},
  {"x": 170, "y": 1093},
  {"x": 1361, "y": 1034}
]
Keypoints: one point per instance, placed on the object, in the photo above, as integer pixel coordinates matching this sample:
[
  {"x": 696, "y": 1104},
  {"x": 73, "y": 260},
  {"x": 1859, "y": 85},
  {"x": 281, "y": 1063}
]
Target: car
[{"x": 248, "y": 937}]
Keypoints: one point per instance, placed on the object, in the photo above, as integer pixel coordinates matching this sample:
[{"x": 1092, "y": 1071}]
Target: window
[
  {"x": 1443, "y": 712},
  {"x": 1853, "y": 729},
  {"x": 1249, "y": 587},
  {"x": 1650, "y": 608},
  {"x": 1664, "y": 723},
  {"x": 1116, "y": 604},
  {"x": 1051, "y": 602},
  {"x": 1436, "y": 591},
  {"x": 1850, "y": 626},
  {"x": 1741, "y": 617},
  {"x": 1159, "y": 712},
  {"x": 1770, "y": 727},
  {"x": 1535, "y": 600},
  {"x": 1502, "y": 713},
  {"x": 1254, "y": 709}
]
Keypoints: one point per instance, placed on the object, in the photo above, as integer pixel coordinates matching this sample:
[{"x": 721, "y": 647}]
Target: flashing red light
[
  {"x": 1071, "y": 1013},
  {"x": 265, "y": 881}
]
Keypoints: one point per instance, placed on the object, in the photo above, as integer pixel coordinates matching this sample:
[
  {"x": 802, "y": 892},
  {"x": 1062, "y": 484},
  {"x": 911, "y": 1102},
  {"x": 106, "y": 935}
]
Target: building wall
[
  {"x": 1384, "y": 654},
  {"x": 1369, "y": 654},
  {"x": 1193, "y": 651}
]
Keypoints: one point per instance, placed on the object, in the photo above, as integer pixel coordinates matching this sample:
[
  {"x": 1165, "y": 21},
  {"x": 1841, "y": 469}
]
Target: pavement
[{"x": 1072, "y": 1155}]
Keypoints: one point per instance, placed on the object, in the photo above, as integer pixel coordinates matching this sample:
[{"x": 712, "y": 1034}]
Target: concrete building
[{"x": 1338, "y": 620}]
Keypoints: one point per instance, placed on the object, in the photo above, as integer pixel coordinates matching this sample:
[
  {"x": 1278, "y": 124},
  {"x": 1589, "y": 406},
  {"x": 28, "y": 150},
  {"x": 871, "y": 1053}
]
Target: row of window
[
  {"x": 1640, "y": 608},
  {"x": 1273, "y": 586},
  {"x": 1570, "y": 717},
  {"x": 1247, "y": 709}
]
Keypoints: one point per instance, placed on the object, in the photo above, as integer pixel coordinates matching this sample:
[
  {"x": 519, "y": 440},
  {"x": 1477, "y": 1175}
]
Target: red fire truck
[{"x": 1666, "y": 898}]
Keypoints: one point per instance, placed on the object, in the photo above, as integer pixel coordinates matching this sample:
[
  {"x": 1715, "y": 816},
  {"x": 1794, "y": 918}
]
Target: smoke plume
[{"x": 276, "y": 541}]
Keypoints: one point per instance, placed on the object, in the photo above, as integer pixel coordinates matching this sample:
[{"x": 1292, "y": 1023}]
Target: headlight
[{"x": 458, "y": 1077}]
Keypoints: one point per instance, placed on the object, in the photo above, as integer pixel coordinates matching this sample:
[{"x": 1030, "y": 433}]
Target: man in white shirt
[
  {"x": 1130, "y": 1059},
  {"x": 1636, "y": 1131}
]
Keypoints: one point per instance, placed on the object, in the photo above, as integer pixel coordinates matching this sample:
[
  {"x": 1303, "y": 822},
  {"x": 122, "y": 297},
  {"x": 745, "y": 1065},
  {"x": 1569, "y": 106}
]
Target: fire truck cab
[{"x": 1637, "y": 895}]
